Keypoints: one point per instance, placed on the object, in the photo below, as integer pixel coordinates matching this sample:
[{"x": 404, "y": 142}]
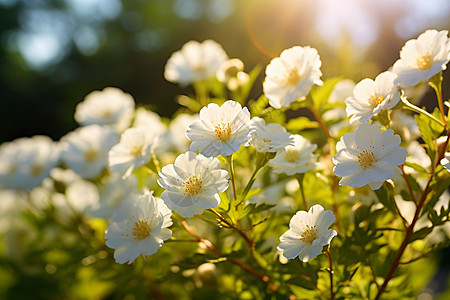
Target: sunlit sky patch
[
  {"x": 46, "y": 34},
  {"x": 361, "y": 19}
]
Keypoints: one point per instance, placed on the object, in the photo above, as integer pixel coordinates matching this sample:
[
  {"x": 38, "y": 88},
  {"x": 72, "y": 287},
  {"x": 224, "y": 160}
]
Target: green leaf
[
  {"x": 320, "y": 95},
  {"x": 416, "y": 167},
  {"x": 438, "y": 189},
  {"x": 253, "y": 75},
  {"x": 300, "y": 123},
  {"x": 420, "y": 234},
  {"x": 385, "y": 195},
  {"x": 427, "y": 134}
]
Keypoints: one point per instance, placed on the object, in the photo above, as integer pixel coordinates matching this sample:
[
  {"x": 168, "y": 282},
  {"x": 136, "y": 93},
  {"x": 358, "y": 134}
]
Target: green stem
[
  {"x": 261, "y": 160},
  {"x": 331, "y": 274},
  {"x": 229, "y": 160},
  {"x": 299, "y": 178},
  {"x": 201, "y": 92},
  {"x": 416, "y": 109},
  {"x": 436, "y": 83}
]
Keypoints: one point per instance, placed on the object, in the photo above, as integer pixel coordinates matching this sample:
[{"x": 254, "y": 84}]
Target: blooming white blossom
[
  {"x": 292, "y": 75},
  {"x": 145, "y": 117},
  {"x": 111, "y": 106},
  {"x": 269, "y": 138},
  {"x": 370, "y": 97},
  {"x": 25, "y": 162},
  {"x": 113, "y": 192},
  {"x": 232, "y": 74},
  {"x": 176, "y": 136},
  {"x": 405, "y": 125},
  {"x": 296, "y": 158},
  {"x": 83, "y": 196},
  {"x": 422, "y": 58},
  {"x": 85, "y": 150},
  {"x": 192, "y": 183},
  {"x": 341, "y": 90},
  {"x": 221, "y": 130},
  {"x": 308, "y": 233},
  {"x": 368, "y": 156},
  {"x": 133, "y": 150},
  {"x": 140, "y": 226},
  {"x": 194, "y": 62},
  {"x": 446, "y": 161}
]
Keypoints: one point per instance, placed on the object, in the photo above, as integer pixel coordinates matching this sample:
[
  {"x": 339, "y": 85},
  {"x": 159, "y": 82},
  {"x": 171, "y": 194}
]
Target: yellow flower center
[
  {"x": 36, "y": 170},
  {"x": 91, "y": 155},
  {"x": 223, "y": 132},
  {"x": 141, "y": 229},
  {"x": 366, "y": 159},
  {"x": 293, "y": 77},
  {"x": 267, "y": 140},
  {"x": 310, "y": 234},
  {"x": 374, "y": 101},
  {"x": 199, "y": 68},
  {"x": 192, "y": 186},
  {"x": 291, "y": 155},
  {"x": 136, "y": 150},
  {"x": 424, "y": 62},
  {"x": 106, "y": 113}
]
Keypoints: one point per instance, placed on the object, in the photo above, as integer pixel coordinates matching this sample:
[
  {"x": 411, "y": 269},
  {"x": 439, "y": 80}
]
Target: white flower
[
  {"x": 221, "y": 130},
  {"x": 308, "y": 233},
  {"x": 192, "y": 183},
  {"x": 446, "y": 161},
  {"x": 368, "y": 156},
  {"x": 111, "y": 106},
  {"x": 405, "y": 125},
  {"x": 151, "y": 119},
  {"x": 269, "y": 138},
  {"x": 83, "y": 196},
  {"x": 139, "y": 227},
  {"x": 25, "y": 162},
  {"x": 296, "y": 158},
  {"x": 133, "y": 150},
  {"x": 422, "y": 58},
  {"x": 194, "y": 62},
  {"x": 231, "y": 73},
  {"x": 176, "y": 136},
  {"x": 85, "y": 150},
  {"x": 341, "y": 90},
  {"x": 292, "y": 75},
  {"x": 370, "y": 97},
  {"x": 113, "y": 192}
]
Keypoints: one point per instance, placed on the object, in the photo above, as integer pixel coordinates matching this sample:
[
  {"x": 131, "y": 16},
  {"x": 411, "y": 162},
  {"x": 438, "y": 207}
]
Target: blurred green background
[{"x": 54, "y": 52}]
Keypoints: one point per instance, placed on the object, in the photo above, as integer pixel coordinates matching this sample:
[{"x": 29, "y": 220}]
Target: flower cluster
[{"x": 232, "y": 172}]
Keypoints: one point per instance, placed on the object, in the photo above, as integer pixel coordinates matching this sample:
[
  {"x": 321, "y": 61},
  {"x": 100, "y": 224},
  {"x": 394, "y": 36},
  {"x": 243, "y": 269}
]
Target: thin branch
[
  {"x": 410, "y": 230},
  {"x": 210, "y": 246},
  {"x": 331, "y": 275},
  {"x": 249, "y": 241}
]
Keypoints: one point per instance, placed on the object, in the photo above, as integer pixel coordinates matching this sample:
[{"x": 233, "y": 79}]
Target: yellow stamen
[
  {"x": 223, "y": 132},
  {"x": 424, "y": 62},
  {"x": 91, "y": 155},
  {"x": 310, "y": 234},
  {"x": 193, "y": 186},
  {"x": 374, "y": 101},
  {"x": 366, "y": 159},
  {"x": 291, "y": 155},
  {"x": 293, "y": 77},
  {"x": 136, "y": 150},
  {"x": 141, "y": 229},
  {"x": 36, "y": 170}
]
